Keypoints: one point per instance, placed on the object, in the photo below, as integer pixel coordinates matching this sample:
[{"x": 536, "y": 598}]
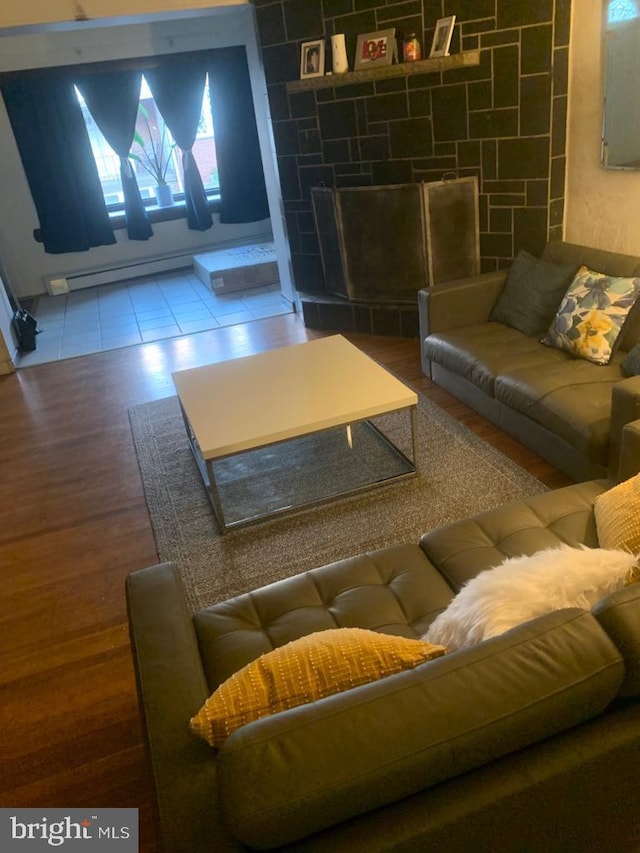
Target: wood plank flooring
[{"x": 73, "y": 524}]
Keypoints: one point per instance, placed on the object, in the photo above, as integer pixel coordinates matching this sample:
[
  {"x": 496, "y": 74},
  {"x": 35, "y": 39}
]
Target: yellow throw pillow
[
  {"x": 617, "y": 513},
  {"x": 305, "y": 670}
]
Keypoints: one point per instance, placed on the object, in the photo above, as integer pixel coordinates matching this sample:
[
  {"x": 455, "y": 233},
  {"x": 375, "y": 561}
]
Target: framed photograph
[
  {"x": 376, "y": 49},
  {"x": 312, "y": 59},
  {"x": 442, "y": 36}
]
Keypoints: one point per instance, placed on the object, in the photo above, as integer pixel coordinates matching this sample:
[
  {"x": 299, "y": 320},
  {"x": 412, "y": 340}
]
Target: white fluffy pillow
[{"x": 521, "y": 588}]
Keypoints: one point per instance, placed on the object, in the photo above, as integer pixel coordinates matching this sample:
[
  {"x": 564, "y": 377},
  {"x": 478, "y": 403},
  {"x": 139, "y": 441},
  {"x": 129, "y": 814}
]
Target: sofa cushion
[
  {"x": 522, "y": 588},
  {"x": 617, "y": 514},
  {"x": 569, "y": 397},
  {"x": 466, "y": 547},
  {"x": 592, "y": 314},
  {"x": 306, "y": 670},
  {"x": 532, "y": 293},
  {"x": 480, "y": 353},
  {"x": 357, "y": 751}
]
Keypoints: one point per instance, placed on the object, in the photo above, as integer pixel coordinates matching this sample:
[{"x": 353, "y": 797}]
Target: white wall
[
  {"x": 25, "y": 261},
  {"x": 15, "y": 13},
  {"x": 602, "y": 206}
]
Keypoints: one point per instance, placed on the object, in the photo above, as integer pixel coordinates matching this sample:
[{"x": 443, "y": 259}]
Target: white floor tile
[
  {"x": 269, "y": 310},
  {"x": 159, "y": 333},
  {"x": 192, "y": 312},
  {"x": 238, "y": 317},
  {"x": 140, "y": 311},
  {"x": 158, "y": 313},
  {"x": 126, "y": 340},
  {"x": 76, "y": 326},
  {"x": 124, "y": 322},
  {"x": 188, "y": 327}
]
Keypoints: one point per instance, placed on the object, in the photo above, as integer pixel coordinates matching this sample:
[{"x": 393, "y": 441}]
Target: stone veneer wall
[{"x": 503, "y": 120}]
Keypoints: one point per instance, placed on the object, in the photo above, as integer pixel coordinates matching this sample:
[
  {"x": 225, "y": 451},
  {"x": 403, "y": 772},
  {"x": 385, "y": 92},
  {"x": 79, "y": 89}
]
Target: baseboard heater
[{"x": 60, "y": 283}]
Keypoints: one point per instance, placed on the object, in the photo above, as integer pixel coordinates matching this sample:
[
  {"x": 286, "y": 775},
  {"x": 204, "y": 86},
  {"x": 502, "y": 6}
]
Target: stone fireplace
[{"x": 503, "y": 120}]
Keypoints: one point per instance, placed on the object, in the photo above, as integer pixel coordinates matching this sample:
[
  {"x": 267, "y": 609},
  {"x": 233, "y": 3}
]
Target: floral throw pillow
[{"x": 592, "y": 314}]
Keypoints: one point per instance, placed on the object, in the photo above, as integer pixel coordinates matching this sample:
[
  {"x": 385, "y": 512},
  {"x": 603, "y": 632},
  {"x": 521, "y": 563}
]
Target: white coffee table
[{"x": 317, "y": 397}]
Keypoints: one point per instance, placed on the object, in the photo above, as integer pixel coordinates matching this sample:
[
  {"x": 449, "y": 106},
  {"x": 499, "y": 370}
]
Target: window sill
[{"x": 177, "y": 210}]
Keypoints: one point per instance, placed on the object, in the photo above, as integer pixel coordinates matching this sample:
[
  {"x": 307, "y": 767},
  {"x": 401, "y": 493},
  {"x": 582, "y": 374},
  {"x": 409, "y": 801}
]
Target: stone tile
[
  {"x": 337, "y": 120},
  {"x": 506, "y": 77},
  {"x": 522, "y": 14},
  {"x": 271, "y": 24},
  {"x": 410, "y": 138},
  {"x": 535, "y": 92},
  {"x": 536, "y": 50},
  {"x": 387, "y": 107},
  {"x": 530, "y": 230},
  {"x": 523, "y": 158},
  {"x": 494, "y": 124},
  {"x": 450, "y": 113}
]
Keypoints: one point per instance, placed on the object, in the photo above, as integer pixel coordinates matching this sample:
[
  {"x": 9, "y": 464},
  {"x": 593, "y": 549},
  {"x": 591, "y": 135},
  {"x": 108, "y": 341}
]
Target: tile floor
[{"x": 140, "y": 311}]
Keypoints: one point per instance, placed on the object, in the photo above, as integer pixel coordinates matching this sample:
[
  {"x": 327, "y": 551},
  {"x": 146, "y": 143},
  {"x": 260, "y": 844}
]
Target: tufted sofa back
[
  {"x": 565, "y": 516},
  {"x": 395, "y": 590}
]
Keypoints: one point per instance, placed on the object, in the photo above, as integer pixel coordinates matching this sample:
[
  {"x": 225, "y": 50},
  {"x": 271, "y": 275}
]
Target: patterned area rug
[{"x": 458, "y": 475}]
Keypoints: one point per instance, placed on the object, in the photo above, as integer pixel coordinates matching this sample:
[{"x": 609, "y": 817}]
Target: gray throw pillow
[
  {"x": 630, "y": 365},
  {"x": 532, "y": 293}
]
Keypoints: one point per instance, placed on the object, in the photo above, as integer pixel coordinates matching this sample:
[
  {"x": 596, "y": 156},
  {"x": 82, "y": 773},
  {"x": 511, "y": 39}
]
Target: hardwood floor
[{"x": 74, "y": 523}]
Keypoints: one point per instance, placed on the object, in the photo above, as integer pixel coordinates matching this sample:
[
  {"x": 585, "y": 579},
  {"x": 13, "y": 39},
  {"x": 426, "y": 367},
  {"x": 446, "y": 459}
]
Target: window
[
  {"x": 153, "y": 140},
  {"x": 621, "y": 10}
]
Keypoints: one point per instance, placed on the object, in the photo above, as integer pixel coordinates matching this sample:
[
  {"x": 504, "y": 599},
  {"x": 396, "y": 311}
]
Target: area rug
[{"x": 458, "y": 475}]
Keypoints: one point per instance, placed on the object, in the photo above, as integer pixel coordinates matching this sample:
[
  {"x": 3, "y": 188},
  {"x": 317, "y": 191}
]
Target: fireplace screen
[{"x": 384, "y": 243}]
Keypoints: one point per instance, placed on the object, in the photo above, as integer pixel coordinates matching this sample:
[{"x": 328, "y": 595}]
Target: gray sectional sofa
[
  {"x": 526, "y": 743},
  {"x": 568, "y": 410}
]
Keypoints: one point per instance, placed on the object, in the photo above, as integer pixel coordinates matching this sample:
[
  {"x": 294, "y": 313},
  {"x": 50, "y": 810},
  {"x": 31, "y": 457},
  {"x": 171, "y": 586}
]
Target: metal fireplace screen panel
[
  {"x": 383, "y": 239},
  {"x": 451, "y": 210},
  {"x": 326, "y": 219}
]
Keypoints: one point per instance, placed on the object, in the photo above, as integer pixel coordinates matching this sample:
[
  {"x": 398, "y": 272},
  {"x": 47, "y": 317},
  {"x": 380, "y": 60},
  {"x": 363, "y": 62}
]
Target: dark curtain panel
[
  {"x": 178, "y": 88},
  {"x": 56, "y": 154},
  {"x": 113, "y": 100},
  {"x": 242, "y": 188}
]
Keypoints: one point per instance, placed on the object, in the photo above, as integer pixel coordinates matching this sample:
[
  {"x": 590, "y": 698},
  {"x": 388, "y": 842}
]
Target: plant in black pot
[{"x": 154, "y": 154}]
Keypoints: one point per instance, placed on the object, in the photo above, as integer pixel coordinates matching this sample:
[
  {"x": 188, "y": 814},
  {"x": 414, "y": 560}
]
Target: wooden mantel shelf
[{"x": 383, "y": 72}]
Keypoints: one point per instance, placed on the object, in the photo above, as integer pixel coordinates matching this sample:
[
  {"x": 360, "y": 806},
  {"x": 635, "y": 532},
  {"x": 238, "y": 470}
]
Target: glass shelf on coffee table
[{"x": 293, "y": 427}]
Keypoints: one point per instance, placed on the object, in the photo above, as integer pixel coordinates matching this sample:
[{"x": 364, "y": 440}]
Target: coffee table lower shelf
[{"x": 264, "y": 482}]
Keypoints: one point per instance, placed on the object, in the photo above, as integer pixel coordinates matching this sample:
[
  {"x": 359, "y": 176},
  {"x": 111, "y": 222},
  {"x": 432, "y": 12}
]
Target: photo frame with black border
[
  {"x": 442, "y": 37},
  {"x": 375, "y": 49},
  {"x": 312, "y": 59}
]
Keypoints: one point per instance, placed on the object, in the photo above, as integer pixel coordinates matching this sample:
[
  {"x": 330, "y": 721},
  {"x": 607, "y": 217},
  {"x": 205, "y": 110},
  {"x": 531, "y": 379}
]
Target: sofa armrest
[
  {"x": 619, "y": 615},
  {"x": 171, "y": 689},
  {"x": 331, "y": 760},
  {"x": 624, "y": 447},
  {"x": 630, "y": 451},
  {"x": 455, "y": 304}
]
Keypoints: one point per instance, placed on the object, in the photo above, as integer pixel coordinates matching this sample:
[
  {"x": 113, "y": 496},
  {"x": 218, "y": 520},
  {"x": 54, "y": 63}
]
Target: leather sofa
[
  {"x": 568, "y": 410},
  {"x": 528, "y": 742}
]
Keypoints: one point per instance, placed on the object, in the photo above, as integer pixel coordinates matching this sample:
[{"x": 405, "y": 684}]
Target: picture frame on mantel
[
  {"x": 312, "y": 59},
  {"x": 375, "y": 49},
  {"x": 442, "y": 37}
]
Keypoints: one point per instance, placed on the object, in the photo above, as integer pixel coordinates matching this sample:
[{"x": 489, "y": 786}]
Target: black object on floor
[{"x": 26, "y": 330}]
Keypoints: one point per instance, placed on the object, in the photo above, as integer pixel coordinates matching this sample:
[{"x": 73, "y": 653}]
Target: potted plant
[{"x": 154, "y": 155}]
